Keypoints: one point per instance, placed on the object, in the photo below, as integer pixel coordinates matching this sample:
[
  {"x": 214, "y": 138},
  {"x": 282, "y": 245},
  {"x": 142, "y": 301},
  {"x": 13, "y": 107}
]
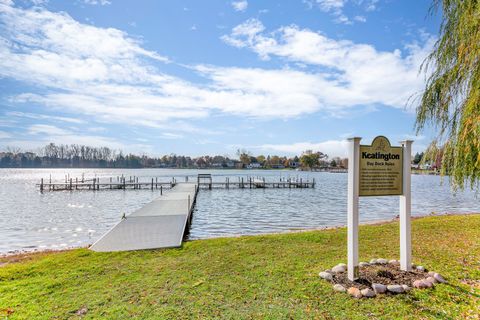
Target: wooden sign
[
  {"x": 381, "y": 169},
  {"x": 378, "y": 170}
]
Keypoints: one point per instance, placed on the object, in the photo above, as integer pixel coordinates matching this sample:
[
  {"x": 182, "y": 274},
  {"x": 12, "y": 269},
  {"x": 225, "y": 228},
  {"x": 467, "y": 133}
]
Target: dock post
[
  {"x": 41, "y": 185},
  {"x": 138, "y": 186},
  {"x": 156, "y": 183},
  {"x": 76, "y": 183},
  {"x": 93, "y": 184},
  {"x": 188, "y": 209},
  {"x": 161, "y": 189},
  {"x": 152, "y": 183},
  {"x": 123, "y": 182},
  {"x": 98, "y": 183},
  {"x": 110, "y": 182},
  {"x": 71, "y": 188},
  {"x": 243, "y": 186}
]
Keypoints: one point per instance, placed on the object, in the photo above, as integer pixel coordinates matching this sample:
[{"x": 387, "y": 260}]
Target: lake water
[{"x": 31, "y": 220}]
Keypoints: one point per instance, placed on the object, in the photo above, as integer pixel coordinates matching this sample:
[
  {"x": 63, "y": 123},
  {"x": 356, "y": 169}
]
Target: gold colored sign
[{"x": 381, "y": 169}]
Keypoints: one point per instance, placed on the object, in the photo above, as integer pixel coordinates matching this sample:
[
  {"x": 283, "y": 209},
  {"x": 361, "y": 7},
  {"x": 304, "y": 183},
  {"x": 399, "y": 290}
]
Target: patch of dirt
[
  {"x": 18, "y": 257},
  {"x": 384, "y": 274}
]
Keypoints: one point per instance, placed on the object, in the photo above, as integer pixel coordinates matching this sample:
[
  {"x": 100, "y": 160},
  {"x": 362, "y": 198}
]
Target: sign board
[
  {"x": 381, "y": 169},
  {"x": 378, "y": 170}
]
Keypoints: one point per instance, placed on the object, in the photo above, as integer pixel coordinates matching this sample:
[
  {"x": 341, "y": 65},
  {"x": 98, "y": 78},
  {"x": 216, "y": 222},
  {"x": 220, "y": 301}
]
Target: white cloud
[
  {"x": 39, "y": 2},
  {"x": 37, "y": 116},
  {"x": 47, "y": 129},
  {"x": 371, "y": 5},
  {"x": 97, "y": 2},
  {"x": 351, "y": 74},
  {"x": 170, "y": 135},
  {"x": 336, "y": 8},
  {"x": 108, "y": 75},
  {"x": 40, "y": 134},
  {"x": 330, "y": 5},
  {"x": 244, "y": 34},
  {"x": 333, "y": 148},
  {"x": 360, "y": 19},
  {"x": 5, "y": 135},
  {"x": 240, "y": 5}
]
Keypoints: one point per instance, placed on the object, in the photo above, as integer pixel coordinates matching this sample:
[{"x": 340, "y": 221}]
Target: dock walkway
[{"x": 161, "y": 223}]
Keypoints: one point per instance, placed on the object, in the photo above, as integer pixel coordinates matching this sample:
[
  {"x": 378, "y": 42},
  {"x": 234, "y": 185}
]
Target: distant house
[
  {"x": 254, "y": 165},
  {"x": 217, "y": 165},
  {"x": 230, "y": 164},
  {"x": 294, "y": 164}
]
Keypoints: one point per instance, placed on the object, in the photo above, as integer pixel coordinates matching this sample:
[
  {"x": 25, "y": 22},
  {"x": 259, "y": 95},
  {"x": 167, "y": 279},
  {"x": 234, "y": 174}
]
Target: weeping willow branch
[{"x": 451, "y": 99}]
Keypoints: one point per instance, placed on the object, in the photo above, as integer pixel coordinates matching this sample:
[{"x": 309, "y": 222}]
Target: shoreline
[{"x": 7, "y": 258}]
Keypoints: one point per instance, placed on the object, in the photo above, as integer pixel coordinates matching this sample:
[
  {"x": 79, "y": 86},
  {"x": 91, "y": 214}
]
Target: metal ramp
[{"x": 159, "y": 224}]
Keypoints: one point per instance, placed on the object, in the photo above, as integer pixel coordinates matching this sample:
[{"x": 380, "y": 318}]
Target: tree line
[{"x": 82, "y": 156}]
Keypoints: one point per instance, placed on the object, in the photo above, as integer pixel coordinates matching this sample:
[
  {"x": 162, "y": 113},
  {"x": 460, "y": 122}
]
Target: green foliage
[
  {"x": 310, "y": 159},
  {"x": 418, "y": 158},
  {"x": 451, "y": 100},
  {"x": 254, "y": 277}
]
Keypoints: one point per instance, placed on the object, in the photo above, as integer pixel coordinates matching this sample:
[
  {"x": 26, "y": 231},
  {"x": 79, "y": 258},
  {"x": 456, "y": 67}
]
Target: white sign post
[
  {"x": 352, "y": 204},
  {"x": 405, "y": 210},
  {"x": 379, "y": 187}
]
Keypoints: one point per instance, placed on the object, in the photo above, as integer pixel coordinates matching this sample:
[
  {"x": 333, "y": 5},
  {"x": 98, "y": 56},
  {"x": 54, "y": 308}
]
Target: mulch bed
[{"x": 384, "y": 274}]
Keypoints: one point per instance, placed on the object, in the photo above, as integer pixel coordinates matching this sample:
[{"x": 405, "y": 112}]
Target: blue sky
[{"x": 209, "y": 77}]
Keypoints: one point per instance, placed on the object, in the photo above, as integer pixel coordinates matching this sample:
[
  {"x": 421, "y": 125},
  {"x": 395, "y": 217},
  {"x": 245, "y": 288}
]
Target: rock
[
  {"x": 354, "y": 292},
  {"x": 406, "y": 288},
  {"x": 438, "y": 277},
  {"x": 339, "y": 288},
  {"x": 369, "y": 293},
  {"x": 431, "y": 279},
  {"x": 413, "y": 265},
  {"x": 382, "y": 261},
  {"x": 420, "y": 284},
  {"x": 394, "y": 262},
  {"x": 363, "y": 264},
  {"x": 420, "y": 268},
  {"x": 428, "y": 283},
  {"x": 82, "y": 311},
  {"x": 379, "y": 288},
  {"x": 373, "y": 261},
  {"x": 342, "y": 264},
  {"x": 339, "y": 269},
  {"x": 395, "y": 288},
  {"x": 431, "y": 273},
  {"x": 325, "y": 275}
]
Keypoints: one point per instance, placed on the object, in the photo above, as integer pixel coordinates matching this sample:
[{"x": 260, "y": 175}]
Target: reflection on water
[{"x": 31, "y": 220}]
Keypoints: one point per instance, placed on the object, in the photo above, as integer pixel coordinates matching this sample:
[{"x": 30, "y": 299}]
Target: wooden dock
[
  {"x": 164, "y": 222},
  {"x": 203, "y": 181},
  {"x": 161, "y": 223}
]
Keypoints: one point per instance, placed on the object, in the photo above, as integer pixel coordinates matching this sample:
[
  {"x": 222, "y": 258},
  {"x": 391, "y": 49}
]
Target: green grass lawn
[{"x": 254, "y": 277}]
